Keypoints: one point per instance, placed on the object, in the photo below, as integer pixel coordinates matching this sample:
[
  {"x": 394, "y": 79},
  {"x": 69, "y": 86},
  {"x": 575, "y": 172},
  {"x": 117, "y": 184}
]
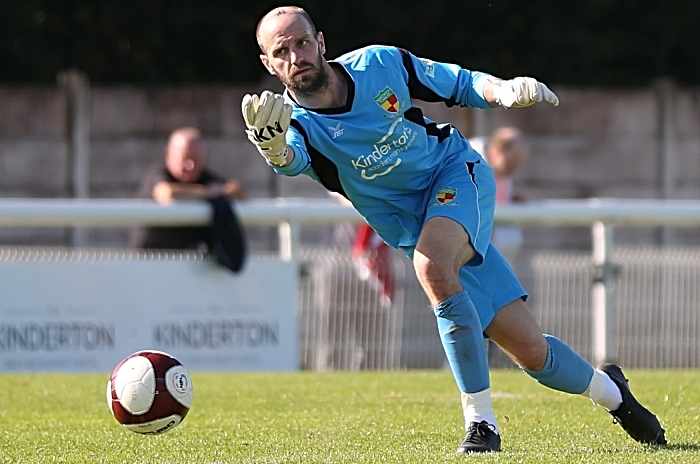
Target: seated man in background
[
  {"x": 505, "y": 150},
  {"x": 184, "y": 176}
]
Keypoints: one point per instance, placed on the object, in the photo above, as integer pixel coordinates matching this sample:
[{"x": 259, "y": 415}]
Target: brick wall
[{"x": 597, "y": 143}]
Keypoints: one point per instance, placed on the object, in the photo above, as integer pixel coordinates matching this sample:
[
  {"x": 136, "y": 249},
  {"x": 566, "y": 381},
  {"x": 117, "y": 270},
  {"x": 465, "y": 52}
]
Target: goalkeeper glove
[
  {"x": 267, "y": 120},
  {"x": 521, "y": 92}
]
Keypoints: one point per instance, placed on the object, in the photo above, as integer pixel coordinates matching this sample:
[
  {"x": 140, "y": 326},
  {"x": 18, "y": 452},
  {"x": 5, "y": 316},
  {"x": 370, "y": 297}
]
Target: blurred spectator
[
  {"x": 184, "y": 176},
  {"x": 372, "y": 256},
  {"x": 505, "y": 151}
]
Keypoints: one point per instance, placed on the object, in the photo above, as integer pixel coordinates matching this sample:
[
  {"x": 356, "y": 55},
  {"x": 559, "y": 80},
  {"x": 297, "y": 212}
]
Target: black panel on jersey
[
  {"x": 415, "y": 115},
  {"x": 324, "y": 168},
  {"x": 470, "y": 169},
  {"x": 420, "y": 91},
  {"x": 416, "y": 88}
]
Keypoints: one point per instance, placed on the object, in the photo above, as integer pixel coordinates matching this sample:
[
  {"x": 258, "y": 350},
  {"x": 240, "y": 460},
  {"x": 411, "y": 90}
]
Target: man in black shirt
[{"x": 183, "y": 176}]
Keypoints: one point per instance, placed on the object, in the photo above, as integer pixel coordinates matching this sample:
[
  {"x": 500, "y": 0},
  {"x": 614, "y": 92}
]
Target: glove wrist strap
[{"x": 278, "y": 160}]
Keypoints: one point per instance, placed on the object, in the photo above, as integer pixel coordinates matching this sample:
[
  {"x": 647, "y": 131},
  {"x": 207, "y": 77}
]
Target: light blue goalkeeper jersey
[{"x": 378, "y": 150}]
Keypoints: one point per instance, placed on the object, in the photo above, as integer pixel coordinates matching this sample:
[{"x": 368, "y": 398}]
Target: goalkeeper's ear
[
  {"x": 266, "y": 62},
  {"x": 321, "y": 43}
]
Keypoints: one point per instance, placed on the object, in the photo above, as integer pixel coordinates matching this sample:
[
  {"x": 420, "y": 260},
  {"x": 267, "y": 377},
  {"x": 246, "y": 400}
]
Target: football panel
[
  {"x": 121, "y": 363},
  {"x": 179, "y": 385},
  {"x": 109, "y": 395},
  {"x": 138, "y": 368},
  {"x": 164, "y": 404},
  {"x": 134, "y": 367},
  {"x": 156, "y": 426},
  {"x": 121, "y": 414},
  {"x": 161, "y": 362},
  {"x": 137, "y": 397}
]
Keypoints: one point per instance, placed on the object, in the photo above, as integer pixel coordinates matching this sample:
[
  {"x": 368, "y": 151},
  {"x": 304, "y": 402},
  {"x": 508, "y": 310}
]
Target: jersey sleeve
[
  {"x": 301, "y": 164},
  {"x": 434, "y": 81}
]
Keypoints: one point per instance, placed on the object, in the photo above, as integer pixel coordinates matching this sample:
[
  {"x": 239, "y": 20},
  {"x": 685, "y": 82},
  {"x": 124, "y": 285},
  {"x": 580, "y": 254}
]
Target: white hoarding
[{"x": 87, "y": 315}]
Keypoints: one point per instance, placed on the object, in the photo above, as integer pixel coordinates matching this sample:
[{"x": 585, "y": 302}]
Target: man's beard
[{"x": 311, "y": 82}]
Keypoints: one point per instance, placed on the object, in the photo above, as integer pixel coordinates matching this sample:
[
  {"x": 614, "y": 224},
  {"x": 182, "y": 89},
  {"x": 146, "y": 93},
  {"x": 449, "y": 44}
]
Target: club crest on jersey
[
  {"x": 446, "y": 195},
  {"x": 388, "y": 100}
]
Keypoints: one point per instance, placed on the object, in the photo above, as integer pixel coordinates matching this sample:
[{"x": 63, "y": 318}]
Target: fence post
[
  {"x": 76, "y": 86},
  {"x": 666, "y": 92},
  {"x": 289, "y": 236},
  {"x": 603, "y": 293}
]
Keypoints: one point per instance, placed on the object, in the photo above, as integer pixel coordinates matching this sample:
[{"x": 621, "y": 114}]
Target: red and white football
[{"x": 149, "y": 392}]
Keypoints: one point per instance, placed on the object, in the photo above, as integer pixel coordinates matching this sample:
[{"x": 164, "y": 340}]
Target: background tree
[{"x": 596, "y": 42}]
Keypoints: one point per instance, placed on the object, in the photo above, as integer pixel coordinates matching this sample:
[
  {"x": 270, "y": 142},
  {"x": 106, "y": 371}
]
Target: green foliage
[
  {"x": 595, "y": 42},
  {"x": 343, "y": 417}
]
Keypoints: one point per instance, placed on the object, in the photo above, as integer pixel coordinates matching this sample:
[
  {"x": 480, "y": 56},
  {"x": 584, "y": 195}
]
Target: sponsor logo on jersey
[
  {"x": 385, "y": 152},
  {"x": 429, "y": 67},
  {"x": 388, "y": 100},
  {"x": 446, "y": 195},
  {"x": 337, "y": 131}
]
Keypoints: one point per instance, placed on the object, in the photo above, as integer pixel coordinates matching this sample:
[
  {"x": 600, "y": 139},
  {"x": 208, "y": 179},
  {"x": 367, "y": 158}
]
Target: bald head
[
  {"x": 185, "y": 155},
  {"x": 507, "y": 150},
  {"x": 185, "y": 135},
  {"x": 292, "y": 50},
  {"x": 273, "y": 15}
]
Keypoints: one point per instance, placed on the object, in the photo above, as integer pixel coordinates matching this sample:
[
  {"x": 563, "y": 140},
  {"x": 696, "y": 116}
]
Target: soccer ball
[{"x": 149, "y": 392}]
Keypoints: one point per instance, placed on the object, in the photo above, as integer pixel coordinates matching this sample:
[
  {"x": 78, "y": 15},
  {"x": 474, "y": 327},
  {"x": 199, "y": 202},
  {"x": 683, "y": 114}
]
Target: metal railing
[{"x": 289, "y": 215}]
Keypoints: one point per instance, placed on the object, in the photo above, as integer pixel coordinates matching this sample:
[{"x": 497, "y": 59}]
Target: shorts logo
[
  {"x": 387, "y": 100},
  {"x": 446, "y": 195}
]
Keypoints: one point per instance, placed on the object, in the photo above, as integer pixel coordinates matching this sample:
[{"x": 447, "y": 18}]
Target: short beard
[{"x": 308, "y": 88}]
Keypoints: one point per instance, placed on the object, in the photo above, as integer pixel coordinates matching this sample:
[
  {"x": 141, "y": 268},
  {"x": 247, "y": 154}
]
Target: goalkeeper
[{"x": 350, "y": 124}]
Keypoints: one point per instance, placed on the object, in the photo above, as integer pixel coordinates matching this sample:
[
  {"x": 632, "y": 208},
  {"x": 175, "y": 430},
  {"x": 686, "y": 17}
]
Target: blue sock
[
  {"x": 463, "y": 341},
  {"x": 564, "y": 369}
]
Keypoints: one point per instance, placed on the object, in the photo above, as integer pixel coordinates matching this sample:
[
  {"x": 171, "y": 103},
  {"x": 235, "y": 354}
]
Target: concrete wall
[{"x": 597, "y": 143}]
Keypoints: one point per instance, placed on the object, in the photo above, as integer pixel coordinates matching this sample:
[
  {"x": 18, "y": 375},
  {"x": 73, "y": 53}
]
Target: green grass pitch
[{"x": 340, "y": 417}]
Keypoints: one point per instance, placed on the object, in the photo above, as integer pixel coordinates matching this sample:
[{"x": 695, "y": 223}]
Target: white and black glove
[
  {"x": 523, "y": 91},
  {"x": 267, "y": 120}
]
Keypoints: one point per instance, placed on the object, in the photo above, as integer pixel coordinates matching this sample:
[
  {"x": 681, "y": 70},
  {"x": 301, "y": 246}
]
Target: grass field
[{"x": 367, "y": 417}]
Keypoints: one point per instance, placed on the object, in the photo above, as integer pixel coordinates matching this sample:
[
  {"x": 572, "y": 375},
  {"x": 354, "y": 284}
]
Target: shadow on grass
[{"x": 682, "y": 447}]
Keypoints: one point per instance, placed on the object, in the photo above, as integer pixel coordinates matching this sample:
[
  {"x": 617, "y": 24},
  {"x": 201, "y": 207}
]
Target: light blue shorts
[
  {"x": 466, "y": 193},
  {"x": 491, "y": 285}
]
